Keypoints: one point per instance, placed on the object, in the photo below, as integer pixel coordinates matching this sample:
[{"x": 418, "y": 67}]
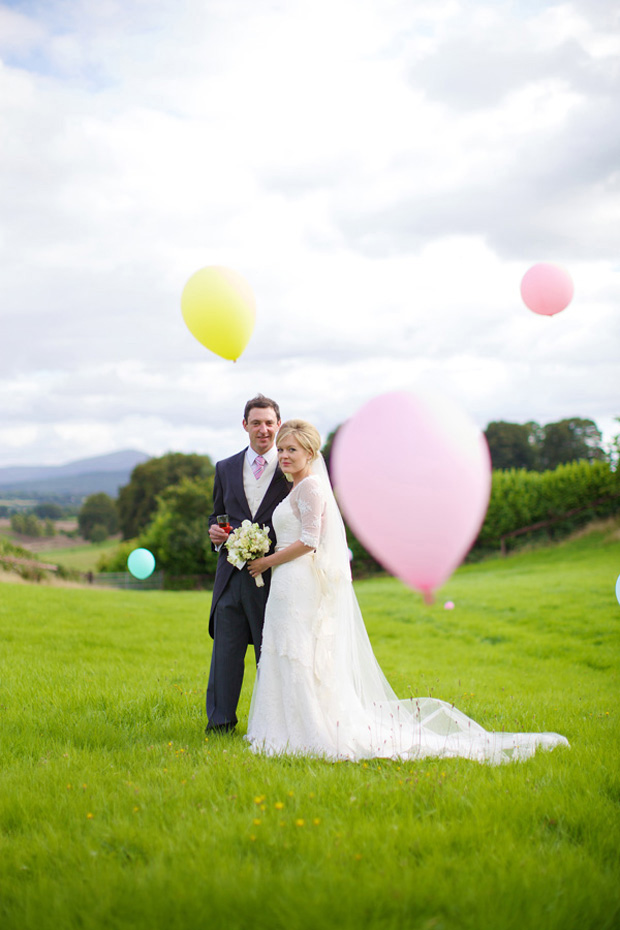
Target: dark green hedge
[{"x": 520, "y": 498}]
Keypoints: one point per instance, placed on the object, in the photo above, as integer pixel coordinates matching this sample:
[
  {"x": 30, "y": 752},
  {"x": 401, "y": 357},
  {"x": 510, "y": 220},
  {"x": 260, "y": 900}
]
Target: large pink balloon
[
  {"x": 547, "y": 289},
  {"x": 413, "y": 476}
]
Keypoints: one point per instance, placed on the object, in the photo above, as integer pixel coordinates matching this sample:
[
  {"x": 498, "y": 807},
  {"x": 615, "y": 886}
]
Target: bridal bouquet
[{"x": 248, "y": 542}]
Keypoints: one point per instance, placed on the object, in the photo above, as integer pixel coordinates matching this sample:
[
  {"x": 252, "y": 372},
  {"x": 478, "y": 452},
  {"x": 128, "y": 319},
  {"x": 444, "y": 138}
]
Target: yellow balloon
[{"x": 219, "y": 309}]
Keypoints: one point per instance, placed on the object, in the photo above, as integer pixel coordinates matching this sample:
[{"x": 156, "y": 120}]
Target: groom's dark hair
[{"x": 261, "y": 401}]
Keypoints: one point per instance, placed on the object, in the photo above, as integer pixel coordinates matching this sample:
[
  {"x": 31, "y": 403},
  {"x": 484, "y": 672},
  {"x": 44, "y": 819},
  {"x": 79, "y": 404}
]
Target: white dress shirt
[{"x": 255, "y": 488}]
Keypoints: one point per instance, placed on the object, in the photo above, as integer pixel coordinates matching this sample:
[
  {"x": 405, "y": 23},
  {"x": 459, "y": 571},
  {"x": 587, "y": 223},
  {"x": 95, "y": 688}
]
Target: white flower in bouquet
[{"x": 247, "y": 542}]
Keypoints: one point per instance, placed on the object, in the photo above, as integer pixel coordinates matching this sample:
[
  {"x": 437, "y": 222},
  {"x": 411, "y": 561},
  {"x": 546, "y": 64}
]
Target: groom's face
[{"x": 261, "y": 426}]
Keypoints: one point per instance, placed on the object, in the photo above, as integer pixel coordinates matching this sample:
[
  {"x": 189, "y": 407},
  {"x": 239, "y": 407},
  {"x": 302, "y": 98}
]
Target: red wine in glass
[{"x": 222, "y": 521}]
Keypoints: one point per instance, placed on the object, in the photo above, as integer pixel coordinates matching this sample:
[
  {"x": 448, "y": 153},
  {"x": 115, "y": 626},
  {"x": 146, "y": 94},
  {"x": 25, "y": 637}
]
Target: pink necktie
[{"x": 258, "y": 466}]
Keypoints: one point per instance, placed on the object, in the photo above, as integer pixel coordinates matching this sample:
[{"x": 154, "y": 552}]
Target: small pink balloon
[
  {"x": 547, "y": 289},
  {"x": 413, "y": 476},
  {"x": 449, "y": 605}
]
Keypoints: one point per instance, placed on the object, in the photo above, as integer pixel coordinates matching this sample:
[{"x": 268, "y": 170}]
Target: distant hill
[{"x": 76, "y": 479}]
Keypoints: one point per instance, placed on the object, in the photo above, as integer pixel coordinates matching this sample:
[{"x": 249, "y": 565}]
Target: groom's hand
[{"x": 217, "y": 535}]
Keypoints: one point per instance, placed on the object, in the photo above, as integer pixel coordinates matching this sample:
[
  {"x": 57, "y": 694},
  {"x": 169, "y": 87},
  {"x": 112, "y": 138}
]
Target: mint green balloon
[{"x": 141, "y": 563}]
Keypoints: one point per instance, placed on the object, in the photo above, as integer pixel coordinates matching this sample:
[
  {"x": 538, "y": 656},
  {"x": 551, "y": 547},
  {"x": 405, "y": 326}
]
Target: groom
[{"x": 247, "y": 486}]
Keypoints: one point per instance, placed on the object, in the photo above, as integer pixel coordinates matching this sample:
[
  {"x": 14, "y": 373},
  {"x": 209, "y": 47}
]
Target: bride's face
[{"x": 292, "y": 457}]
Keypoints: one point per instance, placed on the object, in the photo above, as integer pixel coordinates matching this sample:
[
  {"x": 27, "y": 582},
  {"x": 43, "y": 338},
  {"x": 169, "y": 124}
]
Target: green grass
[
  {"x": 82, "y": 558},
  {"x": 17, "y": 502},
  {"x": 115, "y": 811}
]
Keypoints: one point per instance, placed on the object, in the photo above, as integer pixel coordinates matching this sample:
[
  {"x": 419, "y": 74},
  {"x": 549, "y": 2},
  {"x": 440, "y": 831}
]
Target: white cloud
[{"x": 379, "y": 172}]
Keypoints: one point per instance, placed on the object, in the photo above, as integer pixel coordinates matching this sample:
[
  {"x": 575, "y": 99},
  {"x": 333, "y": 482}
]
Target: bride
[{"x": 319, "y": 689}]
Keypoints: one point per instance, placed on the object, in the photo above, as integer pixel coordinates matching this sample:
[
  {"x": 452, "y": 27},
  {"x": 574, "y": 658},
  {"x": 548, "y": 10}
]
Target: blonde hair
[{"x": 306, "y": 434}]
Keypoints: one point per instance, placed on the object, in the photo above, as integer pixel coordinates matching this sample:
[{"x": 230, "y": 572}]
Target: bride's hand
[{"x": 258, "y": 566}]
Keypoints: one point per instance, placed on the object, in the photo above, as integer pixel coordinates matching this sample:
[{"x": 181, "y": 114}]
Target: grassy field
[
  {"x": 82, "y": 558},
  {"x": 116, "y": 811}
]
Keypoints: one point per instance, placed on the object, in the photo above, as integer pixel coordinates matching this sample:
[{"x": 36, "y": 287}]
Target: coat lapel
[
  {"x": 236, "y": 484},
  {"x": 277, "y": 491}
]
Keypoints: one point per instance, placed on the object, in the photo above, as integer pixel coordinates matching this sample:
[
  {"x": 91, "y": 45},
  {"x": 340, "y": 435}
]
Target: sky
[{"x": 381, "y": 172}]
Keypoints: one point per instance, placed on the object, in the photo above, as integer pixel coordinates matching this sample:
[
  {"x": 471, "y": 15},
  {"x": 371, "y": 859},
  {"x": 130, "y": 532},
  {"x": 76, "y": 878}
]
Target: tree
[
  {"x": 513, "y": 445},
  {"x": 32, "y": 527},
  {"x": 18, "y": 523},
  {"x": 178, "y": 536},
  {"x": 613, "y": 454},
  {"x": 98, "y": 533},
  {"x": 137, "y": 501},
  {"x": 98, "y": 510},
  {"x": 326, "y": 451},
  {"x": 49, "y": 511},
  {"x": 571, "y": 440}
]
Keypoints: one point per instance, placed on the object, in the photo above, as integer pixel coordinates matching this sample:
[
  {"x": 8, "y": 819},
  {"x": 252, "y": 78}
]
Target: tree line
[
  {"x": 28, "y": 524},
  {"x": 543, "y": 448},
  {"x": 36, "y": 521},
  {"x": 165, "y": 507}
]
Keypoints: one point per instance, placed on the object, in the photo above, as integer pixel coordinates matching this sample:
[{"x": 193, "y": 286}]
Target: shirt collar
[{"x": 268, "y": 456}]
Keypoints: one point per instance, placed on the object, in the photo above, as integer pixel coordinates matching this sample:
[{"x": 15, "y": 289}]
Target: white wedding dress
[{"x": 319, "y": 689}]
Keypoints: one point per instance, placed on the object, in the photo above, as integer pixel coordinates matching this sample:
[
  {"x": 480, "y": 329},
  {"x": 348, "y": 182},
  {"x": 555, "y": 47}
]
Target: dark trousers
[{"x": 238, "y": 621}]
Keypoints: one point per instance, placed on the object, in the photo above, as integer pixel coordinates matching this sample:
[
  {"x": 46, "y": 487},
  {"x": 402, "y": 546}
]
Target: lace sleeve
[{"x": 309, "y": 505}]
